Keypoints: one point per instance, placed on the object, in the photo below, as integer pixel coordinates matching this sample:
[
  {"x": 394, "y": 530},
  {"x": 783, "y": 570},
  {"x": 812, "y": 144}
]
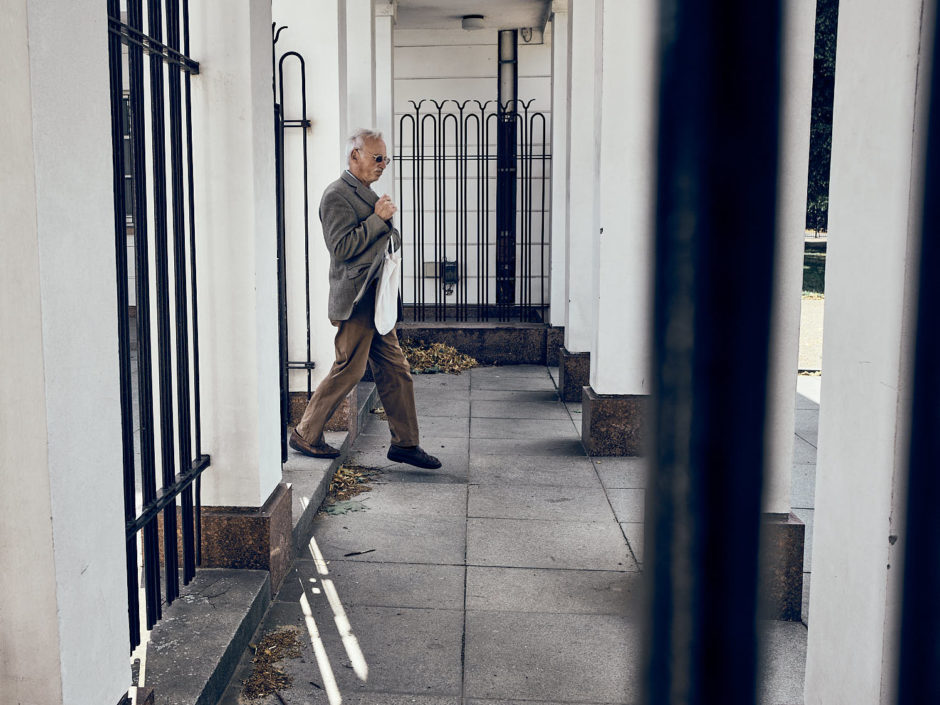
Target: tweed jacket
[{"x": 356, "y": 238}]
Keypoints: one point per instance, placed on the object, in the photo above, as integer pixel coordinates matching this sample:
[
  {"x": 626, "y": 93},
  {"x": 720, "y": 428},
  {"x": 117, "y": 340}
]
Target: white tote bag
[{"x": 386, "y": 294}]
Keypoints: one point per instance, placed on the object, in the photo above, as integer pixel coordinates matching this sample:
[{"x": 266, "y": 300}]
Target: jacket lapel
[{"x": 363, "y": 191}]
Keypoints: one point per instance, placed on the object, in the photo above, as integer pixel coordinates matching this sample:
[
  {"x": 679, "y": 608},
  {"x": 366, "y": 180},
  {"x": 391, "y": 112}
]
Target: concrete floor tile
[
  {"x": 514, "y": 383},
  {"x": 807, "y": 516},
  {"x": 559, "y": 658},
  {"x": 622, "y": 473},
  {"x": 552, "y": 591},
  {"x": 578, "y": 504},
  {"x": 515, "y": 543},
  {"x": 519, "y": 410},
  {"x": 381, "y": 584},
  {"x": 440, "y": 382},
  {"x": 808, "y": 387},
  {"x": 505, "y": 470},
  {"x": 418, "y": 500},
  {"x": 804, "y": 613},
  {"x": 524, "y": 429},
  {"x": 565, "y": 447},
  {"x": 490, "y": 371},
  {"x": 783, "y": 662},
  {"x": 628, "y": 504},
  {"x": 432, "y": 443},
  {"x": 391, "y": 539},
  {"x": 546, "y": 395},
  {"x": 803, "y": 485},
  {"x": 430, "y": 426},
  {"x": 804, "y": 452},
  {"x": 443, "y": 406},
  {"x": 634, "y": 532}
]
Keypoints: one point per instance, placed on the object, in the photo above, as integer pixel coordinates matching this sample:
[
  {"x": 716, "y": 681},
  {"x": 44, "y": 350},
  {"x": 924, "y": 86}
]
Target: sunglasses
[{"x": 379, "y": 158}]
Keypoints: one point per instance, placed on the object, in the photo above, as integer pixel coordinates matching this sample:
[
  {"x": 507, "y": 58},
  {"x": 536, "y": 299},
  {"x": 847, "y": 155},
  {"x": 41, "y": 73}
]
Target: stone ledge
[
  {"x": 574, "y": 373},
  {"x": 781, "y": 588},
  {"x": 489, "y": 343},
  {"x": 194, "y": 650},
  {"x": 613, "y": 424}
]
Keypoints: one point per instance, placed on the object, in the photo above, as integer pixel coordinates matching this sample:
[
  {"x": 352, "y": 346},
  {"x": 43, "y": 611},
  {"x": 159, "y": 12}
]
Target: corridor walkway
[{"x": 511, "y": 575}]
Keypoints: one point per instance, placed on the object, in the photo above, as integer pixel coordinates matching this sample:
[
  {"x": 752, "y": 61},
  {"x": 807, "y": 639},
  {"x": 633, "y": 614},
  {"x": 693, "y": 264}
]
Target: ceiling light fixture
[{"x": 472, "y": 22}]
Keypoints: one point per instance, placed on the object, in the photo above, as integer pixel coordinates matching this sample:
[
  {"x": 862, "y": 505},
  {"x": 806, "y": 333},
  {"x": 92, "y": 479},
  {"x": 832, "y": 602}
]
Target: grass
[{"x": 814, "y": 274}]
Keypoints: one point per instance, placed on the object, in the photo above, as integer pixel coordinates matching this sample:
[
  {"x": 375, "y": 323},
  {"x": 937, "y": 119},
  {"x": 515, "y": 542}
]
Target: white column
[
  {"x": 561, "y": 69},
  {"x": 583, "y": 170},
  {"x": 63, "y": 596},
  {"x": 874, "y": 201},
  {"x": 622, "y": 244},
  {"x": 385, "y": 90},
  {"x": 233, "y": 161},
  {"x": 360, "y": 64},
  {"x": 795, "y": 116},
  {"x": 318, "y": 33}
]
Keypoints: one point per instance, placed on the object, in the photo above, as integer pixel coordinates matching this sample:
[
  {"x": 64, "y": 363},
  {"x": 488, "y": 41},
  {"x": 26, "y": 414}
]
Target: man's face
[{"x": 362, "y": 162}]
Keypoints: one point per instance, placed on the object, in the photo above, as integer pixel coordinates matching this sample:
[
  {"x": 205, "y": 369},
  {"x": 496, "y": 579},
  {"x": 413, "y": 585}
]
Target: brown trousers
[{"x": 358, "y": 343}]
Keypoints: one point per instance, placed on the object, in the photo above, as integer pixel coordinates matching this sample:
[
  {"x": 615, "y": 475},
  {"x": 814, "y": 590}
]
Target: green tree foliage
[{"x": 820, "y": 143}]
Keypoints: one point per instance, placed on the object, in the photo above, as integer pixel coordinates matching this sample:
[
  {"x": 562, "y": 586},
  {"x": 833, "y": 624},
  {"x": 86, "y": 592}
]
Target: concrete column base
[
  {"x": 574, "y": 373},
  {"x": 554, "y": 341},
  {"x": 250, "y": 537},
  {"x": 782, "y": 543},
  {"x": 343, "y": 419},
  {"x": 613, "y": 424}
]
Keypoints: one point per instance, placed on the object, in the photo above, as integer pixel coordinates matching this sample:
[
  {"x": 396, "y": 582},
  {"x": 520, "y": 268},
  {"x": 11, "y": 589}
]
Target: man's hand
[{"x": 384, "y": 208}]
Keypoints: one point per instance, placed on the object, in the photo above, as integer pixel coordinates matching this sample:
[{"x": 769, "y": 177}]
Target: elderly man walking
[{"x": 357, "y": 227}]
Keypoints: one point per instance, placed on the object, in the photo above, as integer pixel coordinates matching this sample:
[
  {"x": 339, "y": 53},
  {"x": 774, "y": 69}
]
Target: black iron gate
[
  {"x": 145, "y": 135},
  {"x": 281, "y": 126},
  {"x": 473, "y": 189}
]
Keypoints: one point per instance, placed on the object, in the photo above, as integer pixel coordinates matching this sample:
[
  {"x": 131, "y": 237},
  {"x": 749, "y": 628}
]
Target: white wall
[
  {"x": 63, "y": 602},
  {"x": 315, "y": 32},
  {"x": 859, "y": 524},
  {"x": 233, "y": 162},
  {"x": 561, "y": 75}
]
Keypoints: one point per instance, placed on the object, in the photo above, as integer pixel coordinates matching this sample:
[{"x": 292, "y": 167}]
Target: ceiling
[{"x": 446, "y": 14}]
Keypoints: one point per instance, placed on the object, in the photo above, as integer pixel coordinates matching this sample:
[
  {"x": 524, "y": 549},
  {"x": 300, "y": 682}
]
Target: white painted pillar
[
  {"x": 561, "y": 69},
  {"x": 795, "y": 116},
  {"x": 63, "y": 596},
  {"x": 622, "y": 244},
  {"x": 360, "y": 64},
  {"x": 874, "y": 204},
  {"x": 233, "y": 161},
  {"x": 385, "y": 90},
  {"x": 318, "y": 32},
  {"x": 583, "y": 148}
]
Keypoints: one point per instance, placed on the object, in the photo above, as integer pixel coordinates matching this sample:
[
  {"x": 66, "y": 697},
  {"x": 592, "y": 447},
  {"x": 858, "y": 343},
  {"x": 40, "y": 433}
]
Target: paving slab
[
  {"x": 783, "y": 662},
  {"x": 809, "y": 387},
  {"x": 634, "y": 533},
  {"x": 505, "y": 370},
  {"x": 523, "y": 429},
  {"x": 803, "y": 451},
  {"x": 382, "y": 584},
  {"x": 804, "y": 612},
  {"x": 430, "y": 426},
  {"x": 438, "y": 382},
  {"x": 518, "y": 543},
  {"x": 391, "y": 539},
  {"x": 437, "y": 405},
  {"x": 552, "y": 591},
  {"x": 432, "y": 443},
  {"x": 417, "y": 500},
  {"x": 565, "y": 447},
  {"x": 581, "y": 504},
  {"x": 803, "y": 485},
  {"x": 503, "y": 470},
  {"x": 515, "y": 383},
  {"x": 519, "y": 410},
  {"x": 545, "y": 395},
  {"x": 628, "y": 504},
  {"x": 622, "y": 473},
  {"x": 564, "y": 658}
]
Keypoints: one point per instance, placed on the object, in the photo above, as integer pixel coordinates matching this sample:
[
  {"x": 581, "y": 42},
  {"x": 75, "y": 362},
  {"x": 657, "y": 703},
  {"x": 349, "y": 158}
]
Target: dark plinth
[
  {"x": 249, "y": 537},
  {"x": 554, "y": 340},
  {"x": 488, "y": 343},
  {"x": 782, "y": 566},
  {"x": 613, "y": 424},
  {"x": 343, "y": 419},
  {"x": 574, "y": 373}
]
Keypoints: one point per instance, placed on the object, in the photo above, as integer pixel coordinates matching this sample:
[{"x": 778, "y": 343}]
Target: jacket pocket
[{"x": 357, "y": 270}]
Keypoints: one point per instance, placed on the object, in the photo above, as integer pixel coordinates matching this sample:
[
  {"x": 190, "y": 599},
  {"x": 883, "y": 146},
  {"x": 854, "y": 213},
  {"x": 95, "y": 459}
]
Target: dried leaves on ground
[
  {"x": 266, "y": 678},
  {"x": 437, "y": 357},
  {"x": 349, "y": 481},
  {"x": 380, "y": 412}
]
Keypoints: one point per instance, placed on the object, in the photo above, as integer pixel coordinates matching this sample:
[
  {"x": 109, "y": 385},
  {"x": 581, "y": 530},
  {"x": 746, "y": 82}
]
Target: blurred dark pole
[
  {"x": 919, "y": 675},
  {"x": 715, "y": 220}
]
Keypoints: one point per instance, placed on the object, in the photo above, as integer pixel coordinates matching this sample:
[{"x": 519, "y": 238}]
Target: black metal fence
[
  {"x": 300, "y": 126},
  {"x": 473, "y": 203},
  {"x": 152, "y": 156}
]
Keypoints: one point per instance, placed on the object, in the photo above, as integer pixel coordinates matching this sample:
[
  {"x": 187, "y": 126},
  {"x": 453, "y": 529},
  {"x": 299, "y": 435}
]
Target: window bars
[{"x": 154, "y": 225}]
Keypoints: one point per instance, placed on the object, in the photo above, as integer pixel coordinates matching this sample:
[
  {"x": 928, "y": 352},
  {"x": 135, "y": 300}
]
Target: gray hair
[{"x": 357, "y": 139}]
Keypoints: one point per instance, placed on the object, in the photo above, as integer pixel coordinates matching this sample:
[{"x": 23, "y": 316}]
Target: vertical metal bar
[
  {"x": 144, "y": 344},
  {"x": 119, "y": 126},
  {"x": 506, "y": 171},
  {"x": 919, "y": 668},
  {"x": 161, "y": 259},
  {"x": 179, "y": 280},
  {"x": 280, "y": 235},
  {"x": 716, "y": 189},
  {"x": 543, "y": 170}
]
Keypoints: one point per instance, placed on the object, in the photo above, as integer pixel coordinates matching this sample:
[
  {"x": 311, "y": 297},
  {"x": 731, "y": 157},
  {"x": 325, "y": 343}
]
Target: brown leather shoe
[{"x": 319, "y": 450}]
